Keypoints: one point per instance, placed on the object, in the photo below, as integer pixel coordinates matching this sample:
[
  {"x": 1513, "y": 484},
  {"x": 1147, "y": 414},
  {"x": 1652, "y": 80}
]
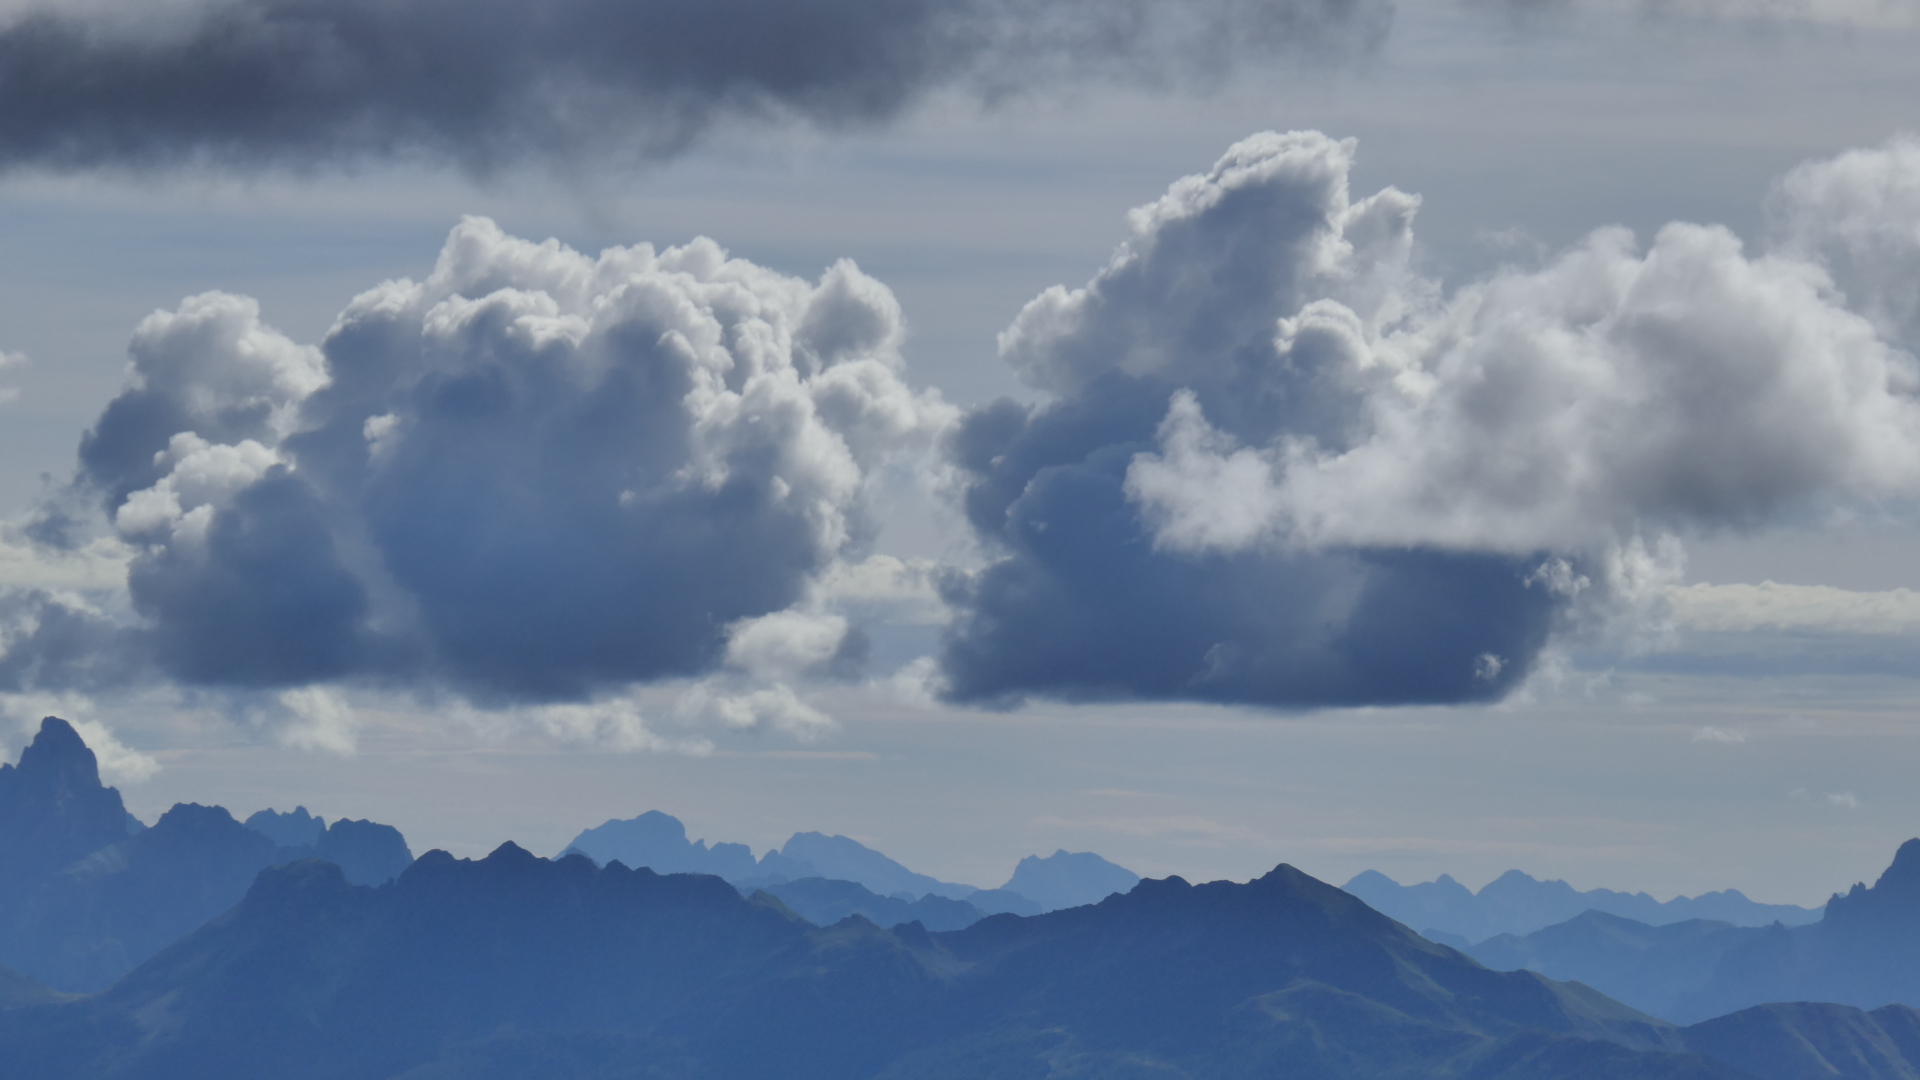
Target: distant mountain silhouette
[
  {"x": 290, "y": 830},
  {"x": 1865, "y": 952},
  {"x": 824, "y": 902},
  {"x": 368, "y": 852},
  {"x": 847, "y": 859},
  {"x": 659, "y": 841},
  {"x": 1069, "y": 879},
  {"x": 1515, "y": 903},
  {"x": 53, "y": 809},
  {"x": 514, "y": 966},
  {"x": 1651, "y": 968},
  {"x": 1003, "y": 902}
]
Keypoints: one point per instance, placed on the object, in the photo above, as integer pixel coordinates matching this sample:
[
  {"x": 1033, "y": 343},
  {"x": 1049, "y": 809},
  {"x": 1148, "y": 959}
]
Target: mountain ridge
[{"x": 514, "y": 966}]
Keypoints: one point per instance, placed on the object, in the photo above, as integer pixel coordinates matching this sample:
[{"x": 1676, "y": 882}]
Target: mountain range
[
  {"x": 1516, "y": 903},
  {"x": 659, "y": 842},
  {"x": 85, "y": 896},
  {"x": 1864, "y": 952},
  {"x": 516, "y": 966},
  {"x": 284, "y": 946}
]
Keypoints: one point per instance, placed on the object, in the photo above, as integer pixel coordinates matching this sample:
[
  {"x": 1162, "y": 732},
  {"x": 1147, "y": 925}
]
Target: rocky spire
[{"x": 53, "y": 808}]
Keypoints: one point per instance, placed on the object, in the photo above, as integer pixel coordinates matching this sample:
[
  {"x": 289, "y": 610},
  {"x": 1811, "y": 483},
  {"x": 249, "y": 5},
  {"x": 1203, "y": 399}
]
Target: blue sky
[{"x": 1672, "y": 739}]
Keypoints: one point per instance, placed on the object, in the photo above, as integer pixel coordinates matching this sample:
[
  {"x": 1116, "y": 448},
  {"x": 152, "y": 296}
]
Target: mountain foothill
[{"x": 284, "y": 946}]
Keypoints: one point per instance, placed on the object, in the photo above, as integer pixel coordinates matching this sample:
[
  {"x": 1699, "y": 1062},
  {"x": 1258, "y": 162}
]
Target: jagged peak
[
  {"x": 1905, "y": 869},
  {"x": 59, "y": 750}
]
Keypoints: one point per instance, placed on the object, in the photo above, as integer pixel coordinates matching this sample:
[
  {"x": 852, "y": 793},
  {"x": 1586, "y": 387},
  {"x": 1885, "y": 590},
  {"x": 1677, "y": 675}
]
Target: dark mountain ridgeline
[
  {"x": 514, "y": 966},
  {"x": 1804, "y": 1041}
]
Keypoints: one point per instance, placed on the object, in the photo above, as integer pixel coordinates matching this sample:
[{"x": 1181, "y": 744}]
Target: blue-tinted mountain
[
  {"x": 53, "y": 809},
  {"x": 87, "y": 925},
  {"x": 368, "y": 852},
  {"x": 1443, "y": 904},
  {"x": 824, "y": 902},
  {"x": 514, "y": 966},
  {"x": 1652, "y": 968},
  {"x": 1865, "y": 952},
  {"x": 659, "y": 842},
  {"x": 1803, "y": 1041},
  {"x": 82, "y": 928},
  {"x": 1069, "y": 879},
  {"x": 1515, "y": 903},
  {"x": 1003, "y": 902},
  {"x": 846, "y": 859},
  {"x": 289, "y": 830}
]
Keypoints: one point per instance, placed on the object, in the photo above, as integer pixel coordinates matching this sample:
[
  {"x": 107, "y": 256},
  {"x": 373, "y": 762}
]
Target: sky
[{"x": 1433, "y": 436}]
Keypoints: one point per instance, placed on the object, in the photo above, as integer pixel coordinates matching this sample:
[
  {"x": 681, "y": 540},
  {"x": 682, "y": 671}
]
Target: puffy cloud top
[
  {"x": 533, "y": 476},
  {"x": 1273, "y": 465},
  {"x": 1278, "y": 466}
]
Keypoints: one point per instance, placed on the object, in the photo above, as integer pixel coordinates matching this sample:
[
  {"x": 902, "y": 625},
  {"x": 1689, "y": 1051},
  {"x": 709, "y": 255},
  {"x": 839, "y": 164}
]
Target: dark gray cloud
[
  {"x": 1277, "y": 466},
  {"x": 536, "y": 476},
  {"x": 490, "y": 82},
  {"x": 1082, "y": 605}
]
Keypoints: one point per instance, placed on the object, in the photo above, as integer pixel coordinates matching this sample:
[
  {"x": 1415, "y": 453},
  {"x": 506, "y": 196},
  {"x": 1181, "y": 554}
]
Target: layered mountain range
[
  {"x": 1864, "y": 951},
  {"x": 327, "y": 964},
  {"x": 797, "y": 871},
  {"x": 1517, "y": 903},
  {"x": 87, "y": 892}
]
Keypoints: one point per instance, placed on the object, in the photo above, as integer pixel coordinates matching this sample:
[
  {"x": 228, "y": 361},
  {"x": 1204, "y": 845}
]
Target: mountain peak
[
  {"x": 1069, "y": 879},
  {"x": 1904, "y": 874},
  {"x": 53, "y": 808},
  {"x": 59, "y": 751},
  {"x": 1890, "y": 904}
]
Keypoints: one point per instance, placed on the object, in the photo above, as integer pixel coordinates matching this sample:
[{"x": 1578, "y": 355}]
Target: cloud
[
  {"x": 487, "y": 83},
  {"x": 1277, "y": 466},
  {"x": 1858, "y": 216},
  {"x": 1725, "y": 736},
  {"x": 1864, "y": 13},
  {"x": 8, "y": 360},
  {"x": 1769, "y": 606},
  {"x": 322, "y": 720},
  {"x": 119, "y": 763},
  {"x": 537, "y": 478}
]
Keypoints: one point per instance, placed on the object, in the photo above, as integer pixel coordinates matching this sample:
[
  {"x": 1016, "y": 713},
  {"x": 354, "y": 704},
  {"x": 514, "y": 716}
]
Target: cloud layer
[
  {"x": 1273, "y": 464},
  {"x": 1280, "y": 467},
  {"x": 536, "y": 476},
  {"x": 491, "y": 82}
]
